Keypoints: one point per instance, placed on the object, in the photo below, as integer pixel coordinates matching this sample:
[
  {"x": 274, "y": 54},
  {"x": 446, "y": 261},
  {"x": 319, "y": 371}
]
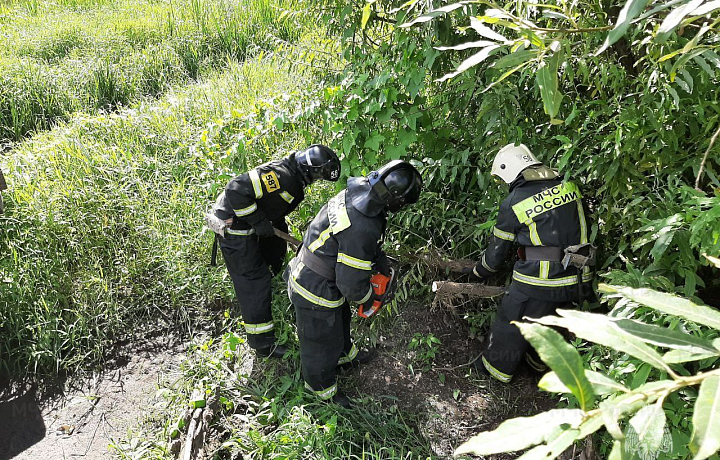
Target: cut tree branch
[{"x": 451, "y": 288}]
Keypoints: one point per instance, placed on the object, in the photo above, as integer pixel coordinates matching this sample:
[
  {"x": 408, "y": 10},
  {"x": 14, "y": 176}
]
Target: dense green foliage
[
  {"x": 58, "y": 59},
  {"x": 632, "y": 123},
  {"x": 644, "y": 434},
  {"x": 625, "y": 136},
  {"x": 103, "y": 226}
]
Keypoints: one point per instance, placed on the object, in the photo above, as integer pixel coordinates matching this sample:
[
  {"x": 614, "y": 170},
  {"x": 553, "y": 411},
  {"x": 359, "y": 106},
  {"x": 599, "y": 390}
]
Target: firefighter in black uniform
[
  {"x": 244, "y": 217},
  {"x": 547, "y": 218},
  {"x": 341, "y": 251}
]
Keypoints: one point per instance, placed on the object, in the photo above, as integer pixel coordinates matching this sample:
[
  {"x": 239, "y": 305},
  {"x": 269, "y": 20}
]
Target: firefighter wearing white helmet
[
  {"x": 547, "y": 219},
  {"x": 511, "y": 160}
]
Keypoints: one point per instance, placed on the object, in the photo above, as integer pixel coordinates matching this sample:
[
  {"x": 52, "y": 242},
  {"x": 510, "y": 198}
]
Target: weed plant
[
  {"x": 66, "y": 56},
  {"x": 264, "y": 411}
]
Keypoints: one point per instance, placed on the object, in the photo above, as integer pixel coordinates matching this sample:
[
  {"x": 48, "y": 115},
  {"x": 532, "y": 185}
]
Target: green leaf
[
  {"x": 600, "y": 329},
  {"x": 395, "y": 152},
  {"x": 547, "y": 79},
  {"x": 562, "y": 358},
  {"x": 683, "y": 356},
  {"x": 473, "y": 60},
  {"x": 366, "y": 14},
  {"x": 618, "y": 451},
  {"x": 602, "y": 385},
  {"x": 348, "y": 142},
  {"x": 673, "y": 19},
  {"x": 661, "y": 244},
  {"x": 514, "y": 59},
  {"x": 386, "y": 114},
  {"x": 668, "y": 303},
  {"x": 706, "y": 8},
  {"x": 373, "y": 142},
  {"x": 435, "y": 13},
  {"x": 521, "y": 433},
  {"x": 563, "y": 440},
  {"x": 485, "y": 31},
  {"x": 629, "y": 12},
  {"x": 665, "y": 337},
  {"x": 705, "y": 439},
  {"x": 406, "y": 137},
  {"x": 506, "y": 74},
  {"x": 713, "y": 260},
  {"x": 648, "y": 424},
  {"x": 616, "y": 407},
  {"x": 464, "y": 46}
]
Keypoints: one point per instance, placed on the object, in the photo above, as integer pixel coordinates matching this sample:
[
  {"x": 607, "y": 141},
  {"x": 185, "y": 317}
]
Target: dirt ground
[
  {"x": 455, "y": 401},
  {"x": 83, "y": 418}
]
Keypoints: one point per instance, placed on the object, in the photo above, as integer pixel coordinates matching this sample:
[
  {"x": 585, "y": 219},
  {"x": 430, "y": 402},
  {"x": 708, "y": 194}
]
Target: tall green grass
[
  {"x": 103, "y": 230},
  {"x": 88, "y": 55}
]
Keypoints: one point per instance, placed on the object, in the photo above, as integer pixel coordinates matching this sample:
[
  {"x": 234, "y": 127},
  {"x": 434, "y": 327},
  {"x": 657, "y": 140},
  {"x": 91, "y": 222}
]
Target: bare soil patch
[
  {"x": 87, "y": 415},
  {"x": 456, "y": 402}
]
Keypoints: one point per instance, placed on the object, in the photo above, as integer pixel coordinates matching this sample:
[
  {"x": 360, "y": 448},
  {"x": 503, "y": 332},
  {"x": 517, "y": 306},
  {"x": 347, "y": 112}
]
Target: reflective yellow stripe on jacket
[
  {"x": 257, "y": 186},
  {"x": 309, "y": 296},
  {"x": 552, "y": 282},
  {"x": 245, "y": 211},
  {"x": 354, "y": 262}
]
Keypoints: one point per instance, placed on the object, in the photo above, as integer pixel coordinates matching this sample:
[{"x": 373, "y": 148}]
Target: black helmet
[
  {"x": 397, "y": 184},
  {"x": 318, "y": 162}
]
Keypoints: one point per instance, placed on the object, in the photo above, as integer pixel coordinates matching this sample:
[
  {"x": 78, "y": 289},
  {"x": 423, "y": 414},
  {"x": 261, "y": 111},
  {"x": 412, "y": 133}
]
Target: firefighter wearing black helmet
[
  {"x": 341, "y": 250},
  {"x": 244, "y": 217},
  {"x": 546, "y": 217}
]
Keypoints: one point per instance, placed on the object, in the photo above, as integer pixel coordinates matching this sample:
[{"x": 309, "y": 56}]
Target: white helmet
[{"x": 511, "y": 160}]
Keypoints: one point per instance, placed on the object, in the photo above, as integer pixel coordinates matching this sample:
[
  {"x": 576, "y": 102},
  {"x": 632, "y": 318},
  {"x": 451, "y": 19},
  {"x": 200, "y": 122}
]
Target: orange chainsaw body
[{"x": 381, "y": 286}]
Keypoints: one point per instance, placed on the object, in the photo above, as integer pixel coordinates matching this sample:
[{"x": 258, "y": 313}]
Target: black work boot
[
  {"x": 341, "y": 400},
  {"x": 536, "y": 363},
  {"x": 480, "y": 367},
  {"x": 363, "y": 357},
  {"x": 273, "y": 351}
]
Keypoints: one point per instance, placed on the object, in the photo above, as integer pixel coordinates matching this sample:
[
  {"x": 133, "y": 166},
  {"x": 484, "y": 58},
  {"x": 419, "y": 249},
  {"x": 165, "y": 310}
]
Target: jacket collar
[{"x": 363, "y": 198}]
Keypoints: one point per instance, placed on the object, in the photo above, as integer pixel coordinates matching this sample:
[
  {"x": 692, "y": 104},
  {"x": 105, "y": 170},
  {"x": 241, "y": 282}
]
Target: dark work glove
[
  {"x": 382, "y": 264},
  {"x": 471, "y": 273},
  {"x": 368, "y": 304},
  {"x": 264, "y": 229}
]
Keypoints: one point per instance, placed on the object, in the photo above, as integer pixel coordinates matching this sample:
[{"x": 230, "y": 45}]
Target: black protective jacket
[
  {"x": 539, "y": 211},
  {"x": 346, "y": 234},
  {"x": 269, "y": 192}
]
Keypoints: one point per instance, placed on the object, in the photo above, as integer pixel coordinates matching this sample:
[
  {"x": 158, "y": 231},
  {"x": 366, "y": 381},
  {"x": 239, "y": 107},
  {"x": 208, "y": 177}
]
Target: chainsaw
[{"x": 384, "y": 288}]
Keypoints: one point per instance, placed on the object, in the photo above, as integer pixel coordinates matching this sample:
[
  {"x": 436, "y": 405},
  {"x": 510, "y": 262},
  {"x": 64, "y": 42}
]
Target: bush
[{"x": 606, "y": 402}]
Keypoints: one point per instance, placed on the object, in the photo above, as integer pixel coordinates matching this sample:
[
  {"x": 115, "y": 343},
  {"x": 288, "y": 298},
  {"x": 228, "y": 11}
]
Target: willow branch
[{"x": 705, "y": 157}]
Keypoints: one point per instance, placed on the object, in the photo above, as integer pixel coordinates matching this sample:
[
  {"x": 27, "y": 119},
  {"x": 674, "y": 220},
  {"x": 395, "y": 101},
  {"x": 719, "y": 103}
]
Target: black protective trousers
[
  {"x": 252, "y": 262},
  {"x": 324, "y": 336},
  {"x": 505, "y": 346}
]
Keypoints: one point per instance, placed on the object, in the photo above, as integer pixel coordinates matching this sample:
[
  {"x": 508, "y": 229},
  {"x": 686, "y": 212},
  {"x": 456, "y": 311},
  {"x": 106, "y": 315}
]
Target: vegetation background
[{"x": 121, "y": 119}]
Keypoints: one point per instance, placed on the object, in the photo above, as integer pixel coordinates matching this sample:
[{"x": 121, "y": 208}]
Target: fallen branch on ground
[
  {"x": 470, "y": 289},
  {"x": 199, "y": 424},
  {"x": 448, "y": 291}
]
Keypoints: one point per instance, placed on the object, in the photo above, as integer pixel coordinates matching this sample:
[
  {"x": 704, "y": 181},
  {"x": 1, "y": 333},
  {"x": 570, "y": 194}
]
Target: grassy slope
[
  {"x": 61, "y": 57},
  {"x": 103, "y": 225}
]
